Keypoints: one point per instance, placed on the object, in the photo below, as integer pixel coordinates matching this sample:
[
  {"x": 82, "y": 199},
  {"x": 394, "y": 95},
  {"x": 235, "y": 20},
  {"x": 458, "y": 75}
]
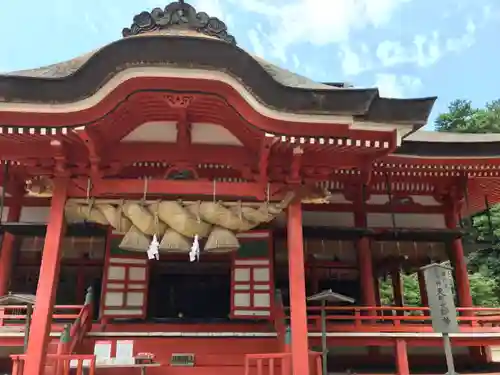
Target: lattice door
[
  {"x": 252, "y": 283},
  {"x": 125, "y": 282}
]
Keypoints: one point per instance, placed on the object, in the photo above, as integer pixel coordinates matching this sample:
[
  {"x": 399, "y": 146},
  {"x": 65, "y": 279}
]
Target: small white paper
[
  {"x": 125, "y": 352},
  {"x": 102, "y": 351}
]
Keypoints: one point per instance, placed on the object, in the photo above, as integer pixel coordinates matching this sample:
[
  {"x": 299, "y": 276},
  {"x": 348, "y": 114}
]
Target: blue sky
[{"x": 407, "y": 48}]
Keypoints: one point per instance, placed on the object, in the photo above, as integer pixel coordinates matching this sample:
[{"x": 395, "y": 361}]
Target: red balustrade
[
  {"x": 62, "y": 362},
  {"x": 280, "y": 320},
  {"x": 15, "y": 315},
  {"x": 80, "y": 327},
  {"x": 398, "y": 317},
  {"x": 268, "y": 363},
  {"x": 59, "y": 364}
]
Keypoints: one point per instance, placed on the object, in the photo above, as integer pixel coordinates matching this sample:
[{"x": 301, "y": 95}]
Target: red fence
[
  {"x": 59, "y": 364},
  {"x": 269, "y": 363},
  {"x": 80, "y": 327},
  {"x": 15, "y": 315},
  {"x": 387, "y": 316}
]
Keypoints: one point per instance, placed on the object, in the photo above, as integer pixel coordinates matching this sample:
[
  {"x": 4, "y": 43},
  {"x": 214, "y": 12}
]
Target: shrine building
[{"x": 173, "y": 204}]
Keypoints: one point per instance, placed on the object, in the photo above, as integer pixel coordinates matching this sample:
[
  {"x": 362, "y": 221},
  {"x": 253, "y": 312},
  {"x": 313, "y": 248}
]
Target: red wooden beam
[
  {"x": 137, "y": 187},
  {"x": 10, "y": 150},
  {"x": 334, "y": 207},
  {"x": 128, "y": 153}
]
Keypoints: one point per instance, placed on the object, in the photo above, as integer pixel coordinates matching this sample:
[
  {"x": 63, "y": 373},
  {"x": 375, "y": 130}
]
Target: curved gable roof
[{"x": 277, "y": 88}]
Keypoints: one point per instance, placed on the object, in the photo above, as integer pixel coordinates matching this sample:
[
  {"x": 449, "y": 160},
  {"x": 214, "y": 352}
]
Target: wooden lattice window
[
  {"x": 125, "y": 283},
  {"x": 252, "y": 281}
]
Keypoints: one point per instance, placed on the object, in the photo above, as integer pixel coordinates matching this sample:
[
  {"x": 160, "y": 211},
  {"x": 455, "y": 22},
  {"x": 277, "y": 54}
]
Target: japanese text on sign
[{"x": 438, "y": 283}]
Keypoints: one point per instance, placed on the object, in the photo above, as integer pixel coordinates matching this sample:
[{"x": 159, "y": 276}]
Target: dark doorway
[{"x": 189, "y": 296}]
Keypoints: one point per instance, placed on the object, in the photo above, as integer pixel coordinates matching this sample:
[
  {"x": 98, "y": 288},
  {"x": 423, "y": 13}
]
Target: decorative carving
[
  {"x": 178, "y": 101},
  {"x": 176, "y": 173},
  {"x": 179, "y": 15}
]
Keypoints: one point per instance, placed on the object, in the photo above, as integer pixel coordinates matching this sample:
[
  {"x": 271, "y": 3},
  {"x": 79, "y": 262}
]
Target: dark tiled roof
[
  {"x": 276, "y": 87},
  {"x": 436, "y": 144}
]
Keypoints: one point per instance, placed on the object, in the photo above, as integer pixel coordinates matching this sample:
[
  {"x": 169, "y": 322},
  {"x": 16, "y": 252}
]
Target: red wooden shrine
[{"x": 317, "y": 186}]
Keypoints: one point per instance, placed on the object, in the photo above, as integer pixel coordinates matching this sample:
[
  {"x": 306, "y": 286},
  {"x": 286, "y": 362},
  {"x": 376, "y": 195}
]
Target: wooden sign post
[
  {"x": 438, "y": 283},
  {"x": 327, "y": 296}
]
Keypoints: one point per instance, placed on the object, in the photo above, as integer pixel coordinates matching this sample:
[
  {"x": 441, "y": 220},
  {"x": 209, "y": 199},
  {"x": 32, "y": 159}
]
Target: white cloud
[
  {"x": 392, "y": 53},
  {"x": 212, "y": 7},
  {"x": 425, "y": 50},
  {"x": 318, "y": 22},
  {"x": 394, "y": 86},
  {"x": 463, "y": 42},
  {"x": 353, "y": 63},
  {"x": 257, "y": 46}
]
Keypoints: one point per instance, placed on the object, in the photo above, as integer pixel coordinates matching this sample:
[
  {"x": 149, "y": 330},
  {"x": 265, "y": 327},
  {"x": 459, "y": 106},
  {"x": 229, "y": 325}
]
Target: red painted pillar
[
  {"x": 47, "y": 282},
  {"x": 377, "y": 291},
  {"x": 397, "y": 288},
  {"x": 424, "y": 299},
  {"x": 462, "y": 284},
  {"x": 298, "y": 310},
  {"x": 8, "y": 242},
  {"x": 459, "y": 263},
  {"x": 366, "y": 272},
  {"x": 402, "y": 366}
]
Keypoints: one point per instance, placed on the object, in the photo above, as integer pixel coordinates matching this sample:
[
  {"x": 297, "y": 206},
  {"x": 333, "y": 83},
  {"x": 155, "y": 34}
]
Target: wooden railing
[
  {"x": 59, "y": 364},
  {"x": 280, "y": 320},
  {"x": 268, "y": 363},
  {"x": 15, "y": 315},
  {"x": 360, "y": 316},
  {"x": 81, "y": 325}
]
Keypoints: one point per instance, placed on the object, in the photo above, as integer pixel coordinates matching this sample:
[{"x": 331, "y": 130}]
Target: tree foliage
[
  {"x": 411, "y": 290},
  {"x": 484, "y": 263},
  {"x": 462, "y": 117},
  {"x": 484, "y": 289}
]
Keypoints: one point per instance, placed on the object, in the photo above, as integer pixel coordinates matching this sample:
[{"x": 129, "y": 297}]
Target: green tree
[
  {"x": 462, "y": 117},
  {"x": 484, "y": 258},
  {"x": 484, "y": 288},
  {"x": 411, "y": 290}
]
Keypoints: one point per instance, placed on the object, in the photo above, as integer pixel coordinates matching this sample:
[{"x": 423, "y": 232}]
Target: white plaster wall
[{"x": 37, "y": 215}]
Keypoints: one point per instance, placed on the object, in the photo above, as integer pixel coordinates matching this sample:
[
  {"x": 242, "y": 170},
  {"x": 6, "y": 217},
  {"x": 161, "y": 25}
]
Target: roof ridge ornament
[{"x": 179, "y": 15}]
